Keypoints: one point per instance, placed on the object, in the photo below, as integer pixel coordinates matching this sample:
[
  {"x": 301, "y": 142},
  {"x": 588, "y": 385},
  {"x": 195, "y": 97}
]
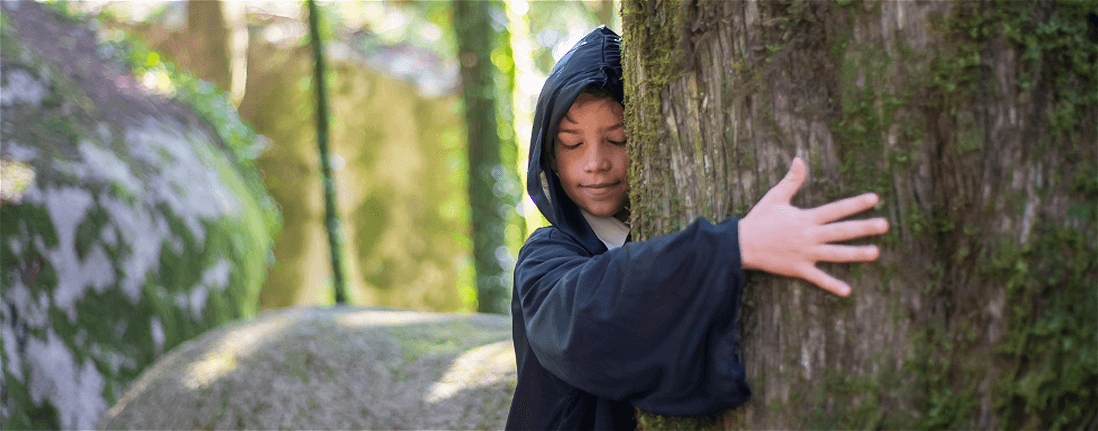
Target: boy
[{"x": 601, "y": 326}]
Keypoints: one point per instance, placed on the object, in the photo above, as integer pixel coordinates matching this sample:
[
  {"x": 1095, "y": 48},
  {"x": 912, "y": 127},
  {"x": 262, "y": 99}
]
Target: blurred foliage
[
  {"x": 381, "y": 218},
  {"x": 425, "y": 25},
  {"x": 557, "y": 25}
]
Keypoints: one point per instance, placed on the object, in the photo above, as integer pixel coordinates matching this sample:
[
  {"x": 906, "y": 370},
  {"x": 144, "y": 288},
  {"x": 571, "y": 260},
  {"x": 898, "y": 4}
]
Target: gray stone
[
  {"x": 132, "y": 230},
  {"x": 331, "y": 368}
]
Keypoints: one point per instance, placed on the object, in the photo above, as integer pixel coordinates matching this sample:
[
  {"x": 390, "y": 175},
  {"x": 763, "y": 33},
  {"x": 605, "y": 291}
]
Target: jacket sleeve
[{"x": 652, "y": 322}]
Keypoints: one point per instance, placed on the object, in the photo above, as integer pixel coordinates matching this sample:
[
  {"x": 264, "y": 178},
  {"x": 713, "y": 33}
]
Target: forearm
[{"x": 634, "y": 320}]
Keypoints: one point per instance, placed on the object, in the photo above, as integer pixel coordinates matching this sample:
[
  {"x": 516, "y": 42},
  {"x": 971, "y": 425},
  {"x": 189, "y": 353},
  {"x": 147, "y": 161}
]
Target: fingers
[
  {"x": 826, "y": 282},
  {"x": 851, "y": 229},
  {"x": 846, "y": 253},
  {"x": 843, "y": 208},
  {"x": 792, "y": 182}
]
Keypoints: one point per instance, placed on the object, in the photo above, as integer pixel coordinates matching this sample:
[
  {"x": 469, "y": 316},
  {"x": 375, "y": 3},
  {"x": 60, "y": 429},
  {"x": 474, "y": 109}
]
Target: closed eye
[
  {"x": 619, "y": 143},
  {"x": 568, "y": 147}
]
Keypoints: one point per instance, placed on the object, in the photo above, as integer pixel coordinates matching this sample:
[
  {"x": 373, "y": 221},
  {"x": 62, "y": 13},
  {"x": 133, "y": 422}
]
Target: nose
[{"x": 597, "y": 158}]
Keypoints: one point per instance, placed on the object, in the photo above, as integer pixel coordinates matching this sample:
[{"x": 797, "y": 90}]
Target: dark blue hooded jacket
[{"x": 651, "y": 325}]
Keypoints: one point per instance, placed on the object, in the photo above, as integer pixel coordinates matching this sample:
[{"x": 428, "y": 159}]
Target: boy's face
[{"x": 591, "y": 160}]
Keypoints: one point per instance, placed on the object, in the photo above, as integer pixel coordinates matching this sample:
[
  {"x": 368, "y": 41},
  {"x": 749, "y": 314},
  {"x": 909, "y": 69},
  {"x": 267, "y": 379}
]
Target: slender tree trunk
[
  {"x": 607, "y": 13},
  {"x": 208, "y": 49},
  {"x": 491, "y": 180},
  {"x": 975, "y": 123},
  {"x": 331, "y": 219}
]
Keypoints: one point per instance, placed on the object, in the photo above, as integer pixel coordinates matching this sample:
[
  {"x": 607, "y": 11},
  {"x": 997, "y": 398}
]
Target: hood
[{"x": 594, "y": 61}]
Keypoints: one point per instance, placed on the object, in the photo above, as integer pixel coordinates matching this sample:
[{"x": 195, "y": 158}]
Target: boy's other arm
[
  {"x": 781, "y": 239},
  {"x": 652, "y": 322}
]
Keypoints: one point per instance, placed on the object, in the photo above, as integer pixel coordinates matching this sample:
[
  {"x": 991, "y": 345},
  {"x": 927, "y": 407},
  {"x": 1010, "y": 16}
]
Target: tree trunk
[
  {"x": 209, "y": 33},
  {"x": 332, "y": 223},
  {"x": 974, "y": 122},
  {"x": 491, "y": 181}
]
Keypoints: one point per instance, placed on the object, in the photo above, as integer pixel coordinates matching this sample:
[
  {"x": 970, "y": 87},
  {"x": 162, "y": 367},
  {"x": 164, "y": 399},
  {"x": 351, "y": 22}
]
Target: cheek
[
  {"x": 621, "y": 157},
  {"x": 565, "y": 165}
]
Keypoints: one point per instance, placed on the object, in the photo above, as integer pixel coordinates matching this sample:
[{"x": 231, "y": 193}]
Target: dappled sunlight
[
  {"x": 15, "y": 178},
  {"x": 156, "y": 80},
  {"x": 338, "y": 367},
  {"x": 473, "y": 369},
  {"x": 241, "y": 341},
  {"x": 371, "y": 319}
]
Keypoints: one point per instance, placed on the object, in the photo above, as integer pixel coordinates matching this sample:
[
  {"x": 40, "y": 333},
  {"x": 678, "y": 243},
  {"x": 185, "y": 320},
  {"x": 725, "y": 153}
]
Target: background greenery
[{"x": 397, "y": 135}]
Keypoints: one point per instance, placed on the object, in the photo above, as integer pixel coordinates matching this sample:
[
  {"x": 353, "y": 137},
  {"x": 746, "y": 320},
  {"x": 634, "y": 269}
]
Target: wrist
[{"x": 747, "y": 252}]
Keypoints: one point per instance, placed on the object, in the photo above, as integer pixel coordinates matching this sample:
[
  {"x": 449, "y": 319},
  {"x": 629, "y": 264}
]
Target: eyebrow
[{"x": 573, "y": 131}]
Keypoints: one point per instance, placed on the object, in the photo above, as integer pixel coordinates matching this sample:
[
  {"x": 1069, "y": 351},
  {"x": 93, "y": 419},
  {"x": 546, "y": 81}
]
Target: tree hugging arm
[
  {"x": 781, "y": 239},
  {"x": 651, "y": 322}
]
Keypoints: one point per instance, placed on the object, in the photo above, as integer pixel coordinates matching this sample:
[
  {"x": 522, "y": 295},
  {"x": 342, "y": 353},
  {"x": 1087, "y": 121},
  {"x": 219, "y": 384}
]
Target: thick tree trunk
[{"x": 974, "y": 122}]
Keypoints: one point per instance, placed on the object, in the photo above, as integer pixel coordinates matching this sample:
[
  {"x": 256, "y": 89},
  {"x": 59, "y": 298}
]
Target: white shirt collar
[{"x": 610, "y": 230}]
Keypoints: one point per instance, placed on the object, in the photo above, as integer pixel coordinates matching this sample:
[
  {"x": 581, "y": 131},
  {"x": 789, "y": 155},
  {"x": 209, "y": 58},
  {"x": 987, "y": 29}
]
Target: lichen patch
[
  {"x": 74, "y": 389},
  {"x": 67, "y": 207},
  {"x": 104, "y": 165},
  {"x": 22, "y": 88},
  {"x": 144, "y": 234}
]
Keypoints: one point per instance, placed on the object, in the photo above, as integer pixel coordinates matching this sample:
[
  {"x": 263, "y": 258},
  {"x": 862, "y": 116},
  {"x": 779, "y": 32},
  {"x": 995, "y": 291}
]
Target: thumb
[{"x": 792, "y": 182}]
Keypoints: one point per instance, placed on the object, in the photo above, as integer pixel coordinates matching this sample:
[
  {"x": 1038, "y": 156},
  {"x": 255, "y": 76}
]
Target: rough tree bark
[{"x": 974, "y": 122}]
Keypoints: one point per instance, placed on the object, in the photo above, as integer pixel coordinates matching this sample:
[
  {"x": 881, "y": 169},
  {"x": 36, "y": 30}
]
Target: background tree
[
  {"x": 483, "y": 53},
  {"x": 206, "y": 21},
  {"x": 974, "y": 122},
  {"x": 331, "y": 213}
]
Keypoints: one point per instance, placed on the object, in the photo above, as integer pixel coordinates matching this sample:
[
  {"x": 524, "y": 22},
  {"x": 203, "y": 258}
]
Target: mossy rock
[
  {"x": 132, "y": 229},
  {"x": 331, "y": 368}
]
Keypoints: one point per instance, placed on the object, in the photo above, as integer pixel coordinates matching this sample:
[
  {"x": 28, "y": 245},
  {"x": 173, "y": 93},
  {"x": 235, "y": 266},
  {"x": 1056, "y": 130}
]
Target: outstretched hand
[{"x": 781, "y": 239}]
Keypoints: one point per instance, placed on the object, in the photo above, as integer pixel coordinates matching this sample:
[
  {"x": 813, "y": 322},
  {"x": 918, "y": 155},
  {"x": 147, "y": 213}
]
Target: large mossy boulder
[
  {"x": 331, "y": 368},
  {"x": 132, "y": 228}
]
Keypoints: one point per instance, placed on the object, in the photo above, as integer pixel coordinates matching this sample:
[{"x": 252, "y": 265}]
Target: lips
[
  {"x": 600, "y": 191},
  {"x": 601, "y": 185}
]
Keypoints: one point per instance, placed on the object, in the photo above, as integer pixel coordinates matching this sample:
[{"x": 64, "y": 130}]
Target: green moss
[
  {"x": 1052, "y": 341},
  {"x": 217, "y": 110},
  {"x": 1049, "y": 281},
  {"x": 847, "y": 402},
  {"x": 652, "y": 422},
  {"x": 1050, "y": 347},
  {"x": 657, "y": 37},
  {"x": 867, "y": 112},
  {"x": 43, "y": 416},
  {"x": 442, "y": 339}
]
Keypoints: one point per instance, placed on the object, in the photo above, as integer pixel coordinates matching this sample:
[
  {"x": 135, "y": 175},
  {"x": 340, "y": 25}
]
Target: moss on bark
[{"x": 955, "y": 113}]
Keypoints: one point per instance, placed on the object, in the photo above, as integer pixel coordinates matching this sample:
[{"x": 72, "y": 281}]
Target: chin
[{"x": 604, "y": 211}]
